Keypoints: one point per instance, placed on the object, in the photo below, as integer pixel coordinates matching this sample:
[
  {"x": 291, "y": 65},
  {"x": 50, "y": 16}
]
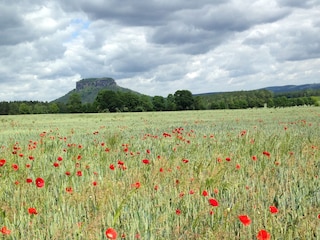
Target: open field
[{"x": 165, "y": 175}]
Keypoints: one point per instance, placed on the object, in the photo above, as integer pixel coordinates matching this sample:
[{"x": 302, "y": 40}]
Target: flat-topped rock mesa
[{"x": 95, "y": 83}]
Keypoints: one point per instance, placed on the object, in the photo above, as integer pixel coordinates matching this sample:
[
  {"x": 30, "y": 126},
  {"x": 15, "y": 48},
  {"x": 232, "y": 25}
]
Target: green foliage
[
  {"x": 184, "y": 100},
  {"x": 159, "y": 103},
  {"x": 74, "y": 103},
  {"x": 171, "y": 104},
  {"x": 108, "y": 100},
  {"x": 117, "y": 99},
  {"x": 24, "y": 108}
]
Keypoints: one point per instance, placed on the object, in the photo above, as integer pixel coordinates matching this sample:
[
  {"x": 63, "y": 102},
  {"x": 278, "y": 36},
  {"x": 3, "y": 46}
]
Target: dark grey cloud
[
  {"x": 135, "y": 12},
  {"x": 298, "y": 3}
]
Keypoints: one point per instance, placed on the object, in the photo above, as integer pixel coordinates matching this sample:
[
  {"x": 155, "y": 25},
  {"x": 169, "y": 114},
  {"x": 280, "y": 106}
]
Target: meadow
[{"x": 224, "y": 174}]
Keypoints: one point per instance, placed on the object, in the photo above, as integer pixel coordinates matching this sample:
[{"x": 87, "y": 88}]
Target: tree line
[{"x": 117, "y": 101}]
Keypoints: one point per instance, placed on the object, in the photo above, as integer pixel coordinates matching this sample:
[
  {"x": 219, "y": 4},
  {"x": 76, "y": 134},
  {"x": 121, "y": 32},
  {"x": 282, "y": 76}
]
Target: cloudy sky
[{"x": 156, "y": 47}]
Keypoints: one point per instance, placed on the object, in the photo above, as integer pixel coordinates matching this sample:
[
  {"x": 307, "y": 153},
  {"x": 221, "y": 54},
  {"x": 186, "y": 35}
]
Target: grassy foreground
[{"x": 242, "y": 174}]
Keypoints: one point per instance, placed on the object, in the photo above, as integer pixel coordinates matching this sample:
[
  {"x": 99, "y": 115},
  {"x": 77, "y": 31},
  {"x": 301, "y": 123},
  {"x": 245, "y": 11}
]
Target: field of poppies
[{"x": 241, "y": 174}]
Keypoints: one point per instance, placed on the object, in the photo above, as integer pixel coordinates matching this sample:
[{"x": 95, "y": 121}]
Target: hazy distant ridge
[{"x": 292, "y": 88}]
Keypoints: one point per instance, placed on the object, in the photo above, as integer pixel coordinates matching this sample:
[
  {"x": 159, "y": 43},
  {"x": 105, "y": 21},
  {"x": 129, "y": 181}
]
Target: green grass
[{"x": 90, "y": 143}]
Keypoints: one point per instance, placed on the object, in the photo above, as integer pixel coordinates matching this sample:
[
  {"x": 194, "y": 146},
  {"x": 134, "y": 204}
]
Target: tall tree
[
  {"x": 159, "y": 103},
  {"x": 54, "y": 108},
  {"x": 108, "y": 100},
  {"x": 74, "y": 103},
  {"x": 4, "y": 108},
  {"x": 184, "y": 100},
  {"x": 146, "y": 103},
  {"x": 171, "y": 105},
  {"x": 24, "y": 108}
]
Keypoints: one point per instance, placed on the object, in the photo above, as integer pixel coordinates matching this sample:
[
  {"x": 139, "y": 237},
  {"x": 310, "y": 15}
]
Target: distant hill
[
  {"x": 89, "y": 88},
  {"x": 293, "y": 88},
  {"x": 274, "y": 89}
]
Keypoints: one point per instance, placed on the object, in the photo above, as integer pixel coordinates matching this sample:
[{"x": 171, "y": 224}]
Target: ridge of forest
[{"x": 94, "y": 95}]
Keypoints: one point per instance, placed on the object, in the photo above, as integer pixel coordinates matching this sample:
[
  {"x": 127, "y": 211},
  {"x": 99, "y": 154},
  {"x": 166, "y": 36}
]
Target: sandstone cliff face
[{"x": 95, "y": 82}]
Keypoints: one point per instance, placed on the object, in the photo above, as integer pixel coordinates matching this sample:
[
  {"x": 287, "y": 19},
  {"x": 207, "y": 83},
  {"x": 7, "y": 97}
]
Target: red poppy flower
[
  {"x": 5, "y": 231},
  {"x": 40, "y": 182},
  {"x": 243, "y": 132},
  {"x": 273, "y": 209},
  {"x": 56, "y": 164},
  {"x": 69, "y": 189},
  {"x": 60, "y": 159},
  {"x": 15, "y": 167},
  {"x": 2, "y": 162},
  {"x": 79, "y": 173},
  {"x": 111, "y": 233},
  {"x": 29, "y": 180},
  {"x": 136, "y": 185},
  {"x": 213, "y": 202},
  {"x": 228, "y": 159},
  {"x": 145, "y": 161},
  {"x": 178, "y": 211},
  {"x": 185, "y": 160},
  {"x": 245, "y": 220},
  {"x": 68, "y": 173},
  {"x": 266, "y": 153},
  {"x": 111, "y": 166},
  {"x": 94, "y": 183},
  {"x": 32, "y": 211},
  {"x": 263, "y": 235},
  {"x": 254, "y": 158},
  {"x": 205, "y": 193}
]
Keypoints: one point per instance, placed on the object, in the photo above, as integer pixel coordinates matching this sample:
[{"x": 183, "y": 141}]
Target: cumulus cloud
[{"x": 156, "y": 47}]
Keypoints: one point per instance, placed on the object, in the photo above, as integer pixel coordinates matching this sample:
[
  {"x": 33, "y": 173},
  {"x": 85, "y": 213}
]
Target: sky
[{"x": 156, "y": 47}]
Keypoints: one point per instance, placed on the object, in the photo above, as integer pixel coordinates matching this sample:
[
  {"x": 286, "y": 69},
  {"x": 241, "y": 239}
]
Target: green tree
[
  {"x": 4, "y": 108},
  {"x": 131, "y": 101},
  {"x": 74, "y": 103},
  {"x": 108, "y": 100},
  {"x": 39, "y": 108},
  {"x": 24, "y": 108},
  {"x": 146, "y": 103},
  {"x": 159, "y": 103},
  {"x": 184, "y": 100},
  {"x": 199, "y": 103},
  {"x": 14, "y": 108},
  {"x": 54, "y": 108},
  {"x": 171, "y": 105}
]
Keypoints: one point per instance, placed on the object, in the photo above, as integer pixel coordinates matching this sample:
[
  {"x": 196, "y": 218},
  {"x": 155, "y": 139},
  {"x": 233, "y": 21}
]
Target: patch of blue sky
[{"x": 80, "y": 25}]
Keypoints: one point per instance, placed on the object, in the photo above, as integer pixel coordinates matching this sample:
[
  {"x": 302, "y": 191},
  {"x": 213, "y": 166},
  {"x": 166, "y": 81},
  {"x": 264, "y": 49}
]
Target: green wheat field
[{"x": 224, "y": 174}]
